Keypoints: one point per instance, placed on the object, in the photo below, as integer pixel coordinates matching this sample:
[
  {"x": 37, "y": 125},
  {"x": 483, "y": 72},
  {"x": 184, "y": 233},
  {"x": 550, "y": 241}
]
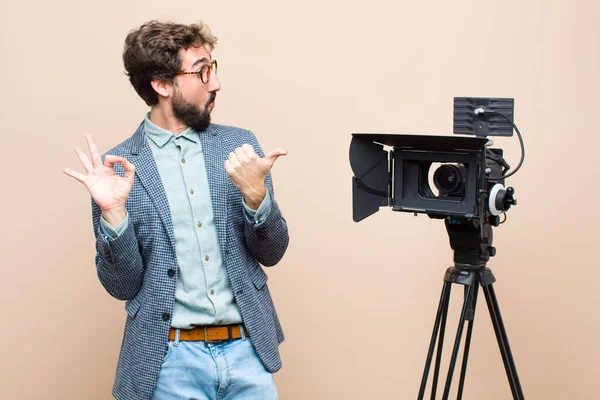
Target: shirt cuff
[
  {"x": 111, "y": 232},
  {"x": 263, "y": 210}
]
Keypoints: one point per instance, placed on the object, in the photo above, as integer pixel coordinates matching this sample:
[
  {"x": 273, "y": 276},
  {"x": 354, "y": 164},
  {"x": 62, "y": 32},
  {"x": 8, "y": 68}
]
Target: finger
[
  {"x": 74, "y": 174},
  {"x": 128, "y": 166},
  {"x": 241, "y": 155},
  {"x": 110, "y": 161},
  {"x": 96, "y": 160},
  {"x": 233, "y": 160},
  {"x": 84, "y": 159},
  {"x": 129, "y": 169},
  {"x": 272, "y": 156},
  {"x": 228, "y": 167},
  {"x": 248, "y": 150}
]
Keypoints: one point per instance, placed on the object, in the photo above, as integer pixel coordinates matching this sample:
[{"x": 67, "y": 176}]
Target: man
[{"x": 183, "y": 213}]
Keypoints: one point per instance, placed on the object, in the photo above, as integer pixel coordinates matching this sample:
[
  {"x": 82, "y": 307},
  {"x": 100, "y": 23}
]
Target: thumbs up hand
[{"x": 248, "y": 171}]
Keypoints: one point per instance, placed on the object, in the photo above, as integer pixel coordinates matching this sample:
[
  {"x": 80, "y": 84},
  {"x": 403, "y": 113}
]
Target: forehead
[{"x": 194, "y": 57}]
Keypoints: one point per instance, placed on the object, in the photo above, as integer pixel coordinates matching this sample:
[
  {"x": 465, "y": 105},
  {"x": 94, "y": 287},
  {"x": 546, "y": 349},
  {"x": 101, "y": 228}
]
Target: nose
[{"x": 214, "y": 84}]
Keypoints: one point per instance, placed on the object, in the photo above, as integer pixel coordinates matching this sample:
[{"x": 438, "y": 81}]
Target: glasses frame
[{"x": 207, "y": 69}]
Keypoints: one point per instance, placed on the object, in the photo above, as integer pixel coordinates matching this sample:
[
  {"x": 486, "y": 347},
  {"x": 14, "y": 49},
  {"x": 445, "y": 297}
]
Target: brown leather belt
[{"x": 209, "y": 334}]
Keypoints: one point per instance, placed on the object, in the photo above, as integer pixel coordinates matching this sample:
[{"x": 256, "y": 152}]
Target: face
[{"x": 193, "y": 100}]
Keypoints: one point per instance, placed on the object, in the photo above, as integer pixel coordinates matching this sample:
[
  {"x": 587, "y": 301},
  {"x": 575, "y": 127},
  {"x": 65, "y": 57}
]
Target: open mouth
[{"x": 211, "y": 101}]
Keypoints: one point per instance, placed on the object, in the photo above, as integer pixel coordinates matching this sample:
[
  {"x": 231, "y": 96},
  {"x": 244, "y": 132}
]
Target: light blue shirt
[{"x": 203, "y": 295}]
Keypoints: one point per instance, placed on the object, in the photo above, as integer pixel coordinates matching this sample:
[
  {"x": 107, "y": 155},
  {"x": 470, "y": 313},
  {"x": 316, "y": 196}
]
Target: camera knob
[{"x": 509, "y": 198}]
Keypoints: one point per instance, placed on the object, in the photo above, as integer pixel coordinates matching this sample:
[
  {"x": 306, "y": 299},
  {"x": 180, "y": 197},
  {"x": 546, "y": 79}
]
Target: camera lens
[{"x": 449, "y": 178}]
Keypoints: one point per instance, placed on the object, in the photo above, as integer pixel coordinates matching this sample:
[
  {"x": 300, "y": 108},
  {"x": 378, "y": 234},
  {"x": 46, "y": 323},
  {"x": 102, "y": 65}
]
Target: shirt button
[
  {"x": 166, "y": 316},
  {"x": 171, "y": 272},
  {"x": 206, "y": 258},
  {"x": 183, "y": 160},
  {"x": 199, "y": 224},
  {"x": 191, "y": 191},
  {"x": 212, "y": 291}
]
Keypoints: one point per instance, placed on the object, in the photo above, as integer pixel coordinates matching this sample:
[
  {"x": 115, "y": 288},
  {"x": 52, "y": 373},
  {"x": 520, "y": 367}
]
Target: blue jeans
[{"x": 195, "y": 370}]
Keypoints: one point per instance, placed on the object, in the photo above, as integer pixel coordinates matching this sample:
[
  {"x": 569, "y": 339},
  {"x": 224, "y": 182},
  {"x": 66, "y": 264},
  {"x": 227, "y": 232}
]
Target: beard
[{"x": 190, "y": 114}]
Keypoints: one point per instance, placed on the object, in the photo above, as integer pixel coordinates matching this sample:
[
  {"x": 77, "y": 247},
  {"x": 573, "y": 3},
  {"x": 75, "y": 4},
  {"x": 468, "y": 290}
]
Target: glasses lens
[
  {"x": 207, "y": 70},
  {"x": 205, "y": 73}
]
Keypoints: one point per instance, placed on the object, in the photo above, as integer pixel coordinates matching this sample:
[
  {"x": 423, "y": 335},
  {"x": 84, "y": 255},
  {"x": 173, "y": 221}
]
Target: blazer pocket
[
  {"x": 258, "y": 276},
  {"x": 133, "y": 306}
]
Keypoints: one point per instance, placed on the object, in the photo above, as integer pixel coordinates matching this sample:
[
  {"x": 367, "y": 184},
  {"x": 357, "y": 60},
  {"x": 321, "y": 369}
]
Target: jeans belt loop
[
  {"x": 177, "y": 333},
  {"x": 205, "y": 335}
]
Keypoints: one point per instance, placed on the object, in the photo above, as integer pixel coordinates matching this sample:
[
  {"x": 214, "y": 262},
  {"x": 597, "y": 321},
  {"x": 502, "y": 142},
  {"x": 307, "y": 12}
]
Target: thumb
[{"x": 273, "y": 155}]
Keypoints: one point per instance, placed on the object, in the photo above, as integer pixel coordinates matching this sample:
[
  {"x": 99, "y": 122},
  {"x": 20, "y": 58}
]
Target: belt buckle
[{"x": 206, "y": 337}]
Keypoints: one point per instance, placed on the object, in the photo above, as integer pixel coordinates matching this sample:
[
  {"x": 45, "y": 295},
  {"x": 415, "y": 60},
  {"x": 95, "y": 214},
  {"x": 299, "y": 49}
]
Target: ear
[{"x": 162, "y": 88}]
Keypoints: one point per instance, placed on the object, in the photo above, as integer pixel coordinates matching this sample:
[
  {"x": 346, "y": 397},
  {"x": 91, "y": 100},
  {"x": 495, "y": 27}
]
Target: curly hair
[{"x": 152, "y": 52}]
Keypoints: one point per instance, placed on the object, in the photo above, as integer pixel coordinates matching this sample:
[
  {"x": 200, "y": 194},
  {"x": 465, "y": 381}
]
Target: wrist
[
  {"x": 254, "y": 198},
  {"x": 115, "y": 216}
]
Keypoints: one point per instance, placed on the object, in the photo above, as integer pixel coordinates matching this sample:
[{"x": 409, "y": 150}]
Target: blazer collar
[{"x": 138, "y": 140}]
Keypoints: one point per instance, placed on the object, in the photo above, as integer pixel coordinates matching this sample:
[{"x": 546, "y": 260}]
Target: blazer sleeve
[
  {"x": 267, "y": 240},
  {"x": 118, "y": 261}
]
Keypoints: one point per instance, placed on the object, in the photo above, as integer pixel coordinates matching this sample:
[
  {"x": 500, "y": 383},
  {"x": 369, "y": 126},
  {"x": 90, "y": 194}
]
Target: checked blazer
[{"x": 140, "y": 266}]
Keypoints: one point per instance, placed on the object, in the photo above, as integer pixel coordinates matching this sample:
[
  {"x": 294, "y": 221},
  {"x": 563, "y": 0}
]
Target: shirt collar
[{"x": 161, "y": 136}]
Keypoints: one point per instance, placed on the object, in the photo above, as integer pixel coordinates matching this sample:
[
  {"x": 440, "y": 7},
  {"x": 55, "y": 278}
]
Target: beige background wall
[{"x": 357, "y": 301}]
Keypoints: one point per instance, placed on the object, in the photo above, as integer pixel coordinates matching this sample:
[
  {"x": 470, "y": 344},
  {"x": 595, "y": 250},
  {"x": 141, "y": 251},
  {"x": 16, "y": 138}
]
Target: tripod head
[{"x": 472, "y": 244}]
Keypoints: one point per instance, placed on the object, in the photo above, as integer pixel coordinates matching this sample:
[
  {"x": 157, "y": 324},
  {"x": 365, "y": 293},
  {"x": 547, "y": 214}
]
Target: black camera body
[
  {"x": 466, "y": 169},
  {"x": 456, "y": 178}
]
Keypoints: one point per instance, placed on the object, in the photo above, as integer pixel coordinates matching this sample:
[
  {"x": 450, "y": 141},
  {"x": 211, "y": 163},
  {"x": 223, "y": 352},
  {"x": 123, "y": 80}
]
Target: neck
[{"x": 162, "y": 115}]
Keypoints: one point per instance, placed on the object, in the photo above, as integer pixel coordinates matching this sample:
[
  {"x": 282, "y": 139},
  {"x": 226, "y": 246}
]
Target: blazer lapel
[
  {"x": 147, "y": 172},
  {"x": 214, "y": 158}
]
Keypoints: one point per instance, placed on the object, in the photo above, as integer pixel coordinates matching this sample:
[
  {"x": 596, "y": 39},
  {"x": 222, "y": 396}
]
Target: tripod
[{"x": 472, "y": 248}]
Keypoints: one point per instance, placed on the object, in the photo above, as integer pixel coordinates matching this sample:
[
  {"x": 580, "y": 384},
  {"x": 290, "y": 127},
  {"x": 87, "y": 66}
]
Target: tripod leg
[
  {"x": 438, "y": 357},
  {"x": 507, "y": 358},
  {"x": 471, "y": 319},
  {"x": 461, "y": 326},
  {"x": 442, "y": 310}
]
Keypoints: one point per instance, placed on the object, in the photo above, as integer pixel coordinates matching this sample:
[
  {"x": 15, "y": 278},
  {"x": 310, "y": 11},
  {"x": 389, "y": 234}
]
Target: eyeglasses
[{"x": 205, "y": 72}]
